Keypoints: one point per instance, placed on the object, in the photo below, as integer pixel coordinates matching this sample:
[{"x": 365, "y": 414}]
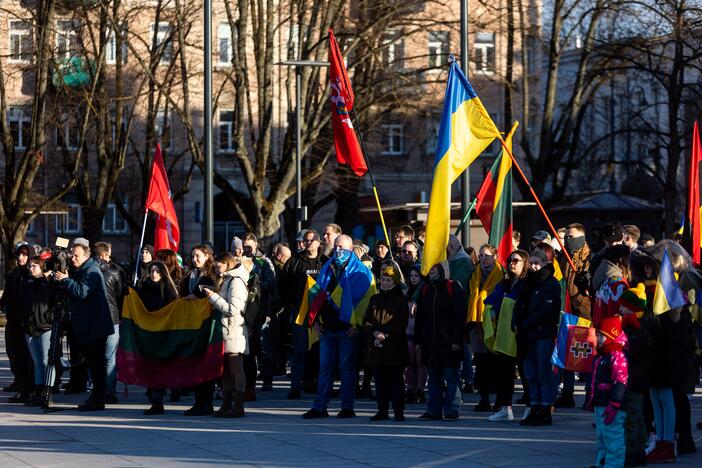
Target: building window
[
  {"x": 484, "y": 57},
  {"x": 67, "y": 134},
  {"x": 432, "y": 137},
  {"x": 392, "y": 140},
  {"x": 162, "y": 128},
  {"x": 438, "y": 48},
  {"x": 20, "y": 124},
  {"x": 164, "y": 44},
  {"x": 66, "y": 39},
  {"x": 113, "y": 222},
  {"x": 393, "y": 51},
  {"x": 69, "y": 223},
  {"x": 111, "y": 47},
  {"x": 224, "y": 33},
  {"x": 226, "y": 131},
  {"x": 20, "y": 41}
]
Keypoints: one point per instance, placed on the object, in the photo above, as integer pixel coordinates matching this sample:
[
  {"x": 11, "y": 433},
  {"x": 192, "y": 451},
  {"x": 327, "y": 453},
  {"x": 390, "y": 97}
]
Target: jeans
[
  {"x": 664, "y": 412},
  {"x": 539, "y": 373},
  {"x": 610, "y": 439},
  {"x": 451, "y": 401},
  {"x": 39, "y": 350},
  {"x": 335, "y": 345},
  {"x": 297, "y": 360},
  {"x": 467, "y": 365},
  {"x": 111, "y": 362}
]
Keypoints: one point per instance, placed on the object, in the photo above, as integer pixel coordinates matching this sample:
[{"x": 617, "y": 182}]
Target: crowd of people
[{"x": 472, "y": 324}]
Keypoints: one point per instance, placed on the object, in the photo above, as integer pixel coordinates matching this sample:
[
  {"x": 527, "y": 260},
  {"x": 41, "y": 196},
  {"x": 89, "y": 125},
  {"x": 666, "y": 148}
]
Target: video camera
[{"x": 60, "y": 256}]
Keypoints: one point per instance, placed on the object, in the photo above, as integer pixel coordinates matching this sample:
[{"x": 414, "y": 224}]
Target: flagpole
[
  {"x": 466, "y": 216},
  {"x": 538, "y": 203},
  {"x": 141, "y": 244},
  {"x": 370, "y": 173}
]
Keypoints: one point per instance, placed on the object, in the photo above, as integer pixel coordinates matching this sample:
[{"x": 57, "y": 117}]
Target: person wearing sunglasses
[{"x": 482, "y": 283}]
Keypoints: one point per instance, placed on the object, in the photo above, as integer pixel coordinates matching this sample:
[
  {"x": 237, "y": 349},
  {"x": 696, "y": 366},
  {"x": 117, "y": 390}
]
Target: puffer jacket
[
  {"x": 231, "y": 302},
  {"x": 538, "y": 307}
]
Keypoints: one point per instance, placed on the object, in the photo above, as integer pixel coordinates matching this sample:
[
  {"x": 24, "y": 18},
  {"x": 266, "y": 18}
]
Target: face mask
[
  {"x": 341, "y": 256},
  {"x": 573, "y": 244}
]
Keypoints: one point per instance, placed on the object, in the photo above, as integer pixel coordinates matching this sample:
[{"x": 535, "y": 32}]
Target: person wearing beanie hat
[
  {"x": 638, "y": 353},
  {"x": 609, "y": 380},
  {"x": 381, "y": 255},
  {"x": 385, "y": 325},
  {"x": 237, "y": 247},
  {"x": 147, "y": 256}
]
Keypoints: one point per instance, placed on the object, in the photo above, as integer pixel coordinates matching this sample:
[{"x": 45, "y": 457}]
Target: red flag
[
  {"x": 348, "y": 151},
  {"x": 693, "y": 198},
  {"x": 167, "y": 235}
]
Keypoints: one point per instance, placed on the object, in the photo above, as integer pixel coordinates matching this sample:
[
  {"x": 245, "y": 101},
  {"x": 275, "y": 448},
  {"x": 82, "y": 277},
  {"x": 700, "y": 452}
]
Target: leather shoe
[
  {"x": 430, "y": 417},
  {"x": 482, "y": 407},
  {"x": 314, "y": 414},
  {"x": 91, "y": 405},
  {"x": 380, "y": 417},
  {"x": 156, "y": 408},
  {"x": 19, "y": 397},
  {"x": 346, "y": 413},
  {"x": 13, "y": 387},
  {"x": 294, "y": 394}
]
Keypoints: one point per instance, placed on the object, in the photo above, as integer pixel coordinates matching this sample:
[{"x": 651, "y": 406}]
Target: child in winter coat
[{"x": 609, "y": 379}]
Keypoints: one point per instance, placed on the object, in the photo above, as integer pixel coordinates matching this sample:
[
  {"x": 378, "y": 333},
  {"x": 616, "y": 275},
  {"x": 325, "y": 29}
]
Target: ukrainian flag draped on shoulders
[
  {"x": 355, "y": 285},
  {"x": 465, "y": 131}
]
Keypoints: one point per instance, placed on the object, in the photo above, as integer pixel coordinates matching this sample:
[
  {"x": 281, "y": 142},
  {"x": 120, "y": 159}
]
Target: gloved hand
[{"x": 611, "y": 412}]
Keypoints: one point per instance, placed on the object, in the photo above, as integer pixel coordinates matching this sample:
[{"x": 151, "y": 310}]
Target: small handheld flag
[{"x": 668, "y": 294}]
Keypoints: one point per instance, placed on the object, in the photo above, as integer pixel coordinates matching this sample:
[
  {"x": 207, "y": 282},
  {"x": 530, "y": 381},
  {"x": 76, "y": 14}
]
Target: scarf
[{"x": 478, "y": 293}]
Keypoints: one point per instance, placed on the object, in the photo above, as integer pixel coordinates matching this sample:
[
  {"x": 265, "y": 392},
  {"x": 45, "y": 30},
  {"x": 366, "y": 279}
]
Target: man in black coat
[
  {"x": 91, "y": 323},
  {"x": 16, "y": 346},
  {"x": 116, "y": 289}
]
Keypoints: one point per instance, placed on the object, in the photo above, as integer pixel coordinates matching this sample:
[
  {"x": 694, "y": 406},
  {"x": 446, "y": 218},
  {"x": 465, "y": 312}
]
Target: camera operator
[
  {"x": 115, "y": 287},
  {"x": 90, "y": 317}
]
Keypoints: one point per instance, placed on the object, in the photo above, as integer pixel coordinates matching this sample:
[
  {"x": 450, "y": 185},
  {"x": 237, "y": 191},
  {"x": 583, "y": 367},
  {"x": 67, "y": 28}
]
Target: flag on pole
[
  {"x": 681, "y": 229},
  {"x": 668, "y": 294},
  {"x": 348, "y": 150},
  {"x": 466, "y": 129},
  {"x": 693, "y": 238},
  {"x": 494, "y": 206},
  {"x": 167, "y": 235}
]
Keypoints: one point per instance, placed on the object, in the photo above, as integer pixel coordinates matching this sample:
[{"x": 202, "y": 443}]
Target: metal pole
[
  {"x": 209, "y": 199},
  {"x": 465, "y": 186},
  {"x": 141, "y": 246},
  {"x": 298, "y": 148}
]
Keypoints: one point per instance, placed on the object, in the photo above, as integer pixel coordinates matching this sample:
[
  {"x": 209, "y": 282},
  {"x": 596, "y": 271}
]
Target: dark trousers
[
  {"x": 683, "y": 426},
  {"x": 484, "y": 374},
  {"x": 78, "y": 374},
  {"x": 204, "y": 392},
  {"x": 390, "y": 387},
  {"x": 521, "y": 350},
  {"x": 503, "y": 372},
  {"x": 95, "y": 358},
  {"x": 635, "y": 425},
  {"x": 21, "y": 363}
]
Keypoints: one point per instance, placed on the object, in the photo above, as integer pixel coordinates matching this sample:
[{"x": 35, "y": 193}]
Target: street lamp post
[
  {"x": 209, "y": 198},
  {"x": 300, "y": 210},
  {"x": 465, "y": 186}
]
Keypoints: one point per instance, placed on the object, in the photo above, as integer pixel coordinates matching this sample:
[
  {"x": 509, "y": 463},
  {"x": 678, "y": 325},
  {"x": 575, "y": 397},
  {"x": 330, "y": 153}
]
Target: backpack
[{"x": 253, "y": 303}]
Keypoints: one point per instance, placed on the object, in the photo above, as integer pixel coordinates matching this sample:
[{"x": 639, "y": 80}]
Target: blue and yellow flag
[
  {"x": 466, "y": 130},
  {"x": 668, "y": 294},
  {"x": 354, "y": 288}
]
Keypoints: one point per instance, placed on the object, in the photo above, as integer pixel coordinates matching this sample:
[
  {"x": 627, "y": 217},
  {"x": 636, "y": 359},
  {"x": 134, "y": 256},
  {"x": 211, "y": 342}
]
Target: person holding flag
[{"x": 348, "y": 285}]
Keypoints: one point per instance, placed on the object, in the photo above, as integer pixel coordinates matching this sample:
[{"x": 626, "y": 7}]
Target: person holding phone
[
  {"x": 201, "y": 275},
  {"x": 230, "y": 299}
]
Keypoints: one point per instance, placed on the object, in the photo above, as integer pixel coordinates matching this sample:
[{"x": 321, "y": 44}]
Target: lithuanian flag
[
  {"x": 494, "y": 205},
  {"x": 466, "y": 129},
  {"x": 312, "y": 301},
  {"x": 179, "y": 345}
]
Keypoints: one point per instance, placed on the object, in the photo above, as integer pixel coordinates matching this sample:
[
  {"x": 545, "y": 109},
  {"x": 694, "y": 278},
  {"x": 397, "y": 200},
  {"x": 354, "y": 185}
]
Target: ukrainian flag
[
  {"x": 668, "y": 294},
  {"x": 466, "y": 130}
]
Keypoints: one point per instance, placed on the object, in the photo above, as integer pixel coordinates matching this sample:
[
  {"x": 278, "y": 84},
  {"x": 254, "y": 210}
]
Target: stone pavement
[{"x": 274, "y": 435}]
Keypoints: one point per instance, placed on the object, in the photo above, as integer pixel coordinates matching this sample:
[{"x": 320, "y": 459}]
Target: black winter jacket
[
  {"x": 673, "y": 351},
  {"x": 37, "y": 305},
  {"x": 155, "y": 296},
  {"x": 293, "y": 283},
  {"x": 115, "y": 287},
  {"x": 439, "y": 323},
  {"x": 11, "y": 298},
  {"x": 538, "y": 306},
  {"x": 638, "y": 351},
  {"x": 387, "y": 312}
]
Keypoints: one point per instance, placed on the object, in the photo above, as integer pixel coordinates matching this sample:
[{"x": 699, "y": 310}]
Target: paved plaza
[{"x": 273, "y": 434}]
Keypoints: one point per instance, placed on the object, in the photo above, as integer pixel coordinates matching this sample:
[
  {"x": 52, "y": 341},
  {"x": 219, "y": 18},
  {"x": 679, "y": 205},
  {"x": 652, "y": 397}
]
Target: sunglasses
[
  {"x": 486, "y": 256},
  {"x": 515, "y": 260}
]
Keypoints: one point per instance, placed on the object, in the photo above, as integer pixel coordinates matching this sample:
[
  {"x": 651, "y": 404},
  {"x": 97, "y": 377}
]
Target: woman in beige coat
[{"x": 230, "y": 300}]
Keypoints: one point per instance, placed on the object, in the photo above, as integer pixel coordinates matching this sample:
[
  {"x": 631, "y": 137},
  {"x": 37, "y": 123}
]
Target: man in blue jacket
[{"x": 90, "y": 316}]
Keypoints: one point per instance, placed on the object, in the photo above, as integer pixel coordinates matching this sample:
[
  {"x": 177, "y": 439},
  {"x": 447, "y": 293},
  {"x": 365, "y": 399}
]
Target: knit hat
[
  {"x": 540, "y": 254},
  {"x": 383, "y": 243},
  {"x": 148, "y": 247},
  {"x": 392, "y": 272},
  {"x": 237, "y": 244},
  {"x": 611, "y": 327},
  {"x": 634, "y": 298}
]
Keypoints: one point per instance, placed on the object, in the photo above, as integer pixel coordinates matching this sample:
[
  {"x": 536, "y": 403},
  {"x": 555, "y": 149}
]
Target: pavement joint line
[{"x": 15, "y": 458}]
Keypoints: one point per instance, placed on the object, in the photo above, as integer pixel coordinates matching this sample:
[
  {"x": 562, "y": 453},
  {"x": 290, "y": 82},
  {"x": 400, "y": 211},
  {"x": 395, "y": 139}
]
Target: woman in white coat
[{"x": 232, "y": 278}]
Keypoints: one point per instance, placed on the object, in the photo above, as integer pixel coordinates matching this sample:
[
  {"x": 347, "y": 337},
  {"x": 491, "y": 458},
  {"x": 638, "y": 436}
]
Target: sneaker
[
  {"x": 346, "y": 413},
  {"x": 505, "y": 413},
  {"x": 294, "y": 394},
  {"x": 527, "y": 413},
  {"x": 430, "y": 417},
  {"x": 314, "y": 414},
  {"x": 650, "y": 443}
]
